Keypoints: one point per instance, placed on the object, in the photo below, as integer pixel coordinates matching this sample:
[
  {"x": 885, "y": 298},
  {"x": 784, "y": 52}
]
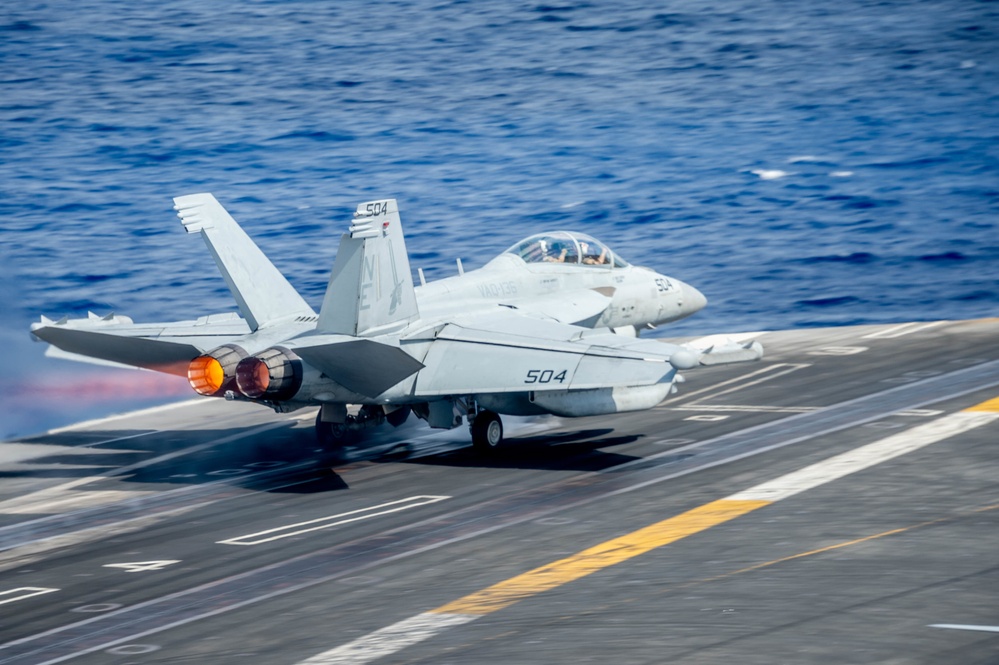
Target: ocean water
[{"x": 802, "y": 164}]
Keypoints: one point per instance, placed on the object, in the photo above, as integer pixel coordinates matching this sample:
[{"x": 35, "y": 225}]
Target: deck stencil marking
[
  {"x": 743, "y": 408},
  {"x": 770, "y": 373},
  {"x": 299, "y": 528},
  {"x": 503, "y": 594},
  {"x": 130, "y": 624},
  {"x": 142, "y": 566},
  {"x": 838, "y": 351},
  {"x": 902, "y": 330}
]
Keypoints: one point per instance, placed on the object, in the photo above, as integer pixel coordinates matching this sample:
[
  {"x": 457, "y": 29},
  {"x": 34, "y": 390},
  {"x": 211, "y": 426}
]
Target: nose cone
[{"x": 693, "y": 300}]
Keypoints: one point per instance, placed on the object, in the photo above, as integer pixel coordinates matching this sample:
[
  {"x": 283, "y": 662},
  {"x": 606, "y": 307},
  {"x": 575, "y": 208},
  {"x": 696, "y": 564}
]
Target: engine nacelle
[
  {"x": 273, "y": 374},
  {"x": 215, "y": 372},
  {"x": 601, "y": 401}
]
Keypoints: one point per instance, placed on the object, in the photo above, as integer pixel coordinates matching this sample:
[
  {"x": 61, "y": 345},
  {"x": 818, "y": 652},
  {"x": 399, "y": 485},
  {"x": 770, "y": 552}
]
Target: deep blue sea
[{"x": 802, "y": 163}]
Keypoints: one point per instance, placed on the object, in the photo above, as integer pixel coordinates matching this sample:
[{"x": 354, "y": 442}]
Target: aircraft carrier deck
[{"x": 837, "y": 502}]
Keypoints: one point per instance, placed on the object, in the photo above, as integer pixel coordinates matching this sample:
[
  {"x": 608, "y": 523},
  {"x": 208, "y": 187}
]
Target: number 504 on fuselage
[{"x": 548, "y": 326}]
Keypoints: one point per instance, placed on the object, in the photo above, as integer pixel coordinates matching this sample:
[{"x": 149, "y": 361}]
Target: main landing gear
[
  {"x": 487, "y": 431},
  {"x": 330, "y": 435},
  {"x": 485, "y": 427}
]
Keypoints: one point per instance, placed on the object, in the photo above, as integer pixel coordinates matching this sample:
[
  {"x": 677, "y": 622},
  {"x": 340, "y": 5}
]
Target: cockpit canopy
[{"x": 565, "y": 247}]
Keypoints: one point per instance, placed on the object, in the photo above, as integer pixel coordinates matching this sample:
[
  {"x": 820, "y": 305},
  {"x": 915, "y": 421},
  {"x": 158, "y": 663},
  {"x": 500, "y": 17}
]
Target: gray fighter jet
[{"x": 548, "y": 326}]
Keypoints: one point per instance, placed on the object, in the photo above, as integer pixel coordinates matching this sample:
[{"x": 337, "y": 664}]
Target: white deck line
[
  {"x": 130, "y": 414},
  {"x": 964, "y": 626},
  {"x": 22, "y": 593},
  {"x": 902, "y": 330},
  {"x": 423, "y": 626},
  {"x": 866, "y": 456},
  {"x": 390, "y": 639},
  {"x": 289, "y": 530}
]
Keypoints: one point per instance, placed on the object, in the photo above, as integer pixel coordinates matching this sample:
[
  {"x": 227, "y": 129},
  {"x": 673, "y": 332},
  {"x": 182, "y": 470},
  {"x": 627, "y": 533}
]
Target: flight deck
[{"x": 835, "y": 502}]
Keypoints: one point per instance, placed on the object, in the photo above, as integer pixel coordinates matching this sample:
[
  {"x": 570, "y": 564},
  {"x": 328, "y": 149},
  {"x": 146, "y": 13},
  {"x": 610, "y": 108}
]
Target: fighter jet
[{"x": 549, "y": 326}]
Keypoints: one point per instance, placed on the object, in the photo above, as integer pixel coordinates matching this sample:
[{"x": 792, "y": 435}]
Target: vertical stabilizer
[
  {"x": 261, "y": 291},
  {"x": 371, "y": 288}
]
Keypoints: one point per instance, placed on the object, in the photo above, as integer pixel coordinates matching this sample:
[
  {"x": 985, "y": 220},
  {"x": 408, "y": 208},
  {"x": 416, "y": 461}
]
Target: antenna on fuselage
[
  {"x": 461, "y": 270},
  {"x": 423, "y": 280}
]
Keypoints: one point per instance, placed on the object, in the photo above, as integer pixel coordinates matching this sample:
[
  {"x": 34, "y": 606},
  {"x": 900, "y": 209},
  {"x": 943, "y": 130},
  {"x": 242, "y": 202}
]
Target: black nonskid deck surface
[{"x": 216, "y": 532}]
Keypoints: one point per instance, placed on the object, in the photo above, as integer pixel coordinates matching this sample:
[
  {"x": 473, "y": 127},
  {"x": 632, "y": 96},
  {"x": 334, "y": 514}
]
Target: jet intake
[
  {"x": 212, "y": 373},
  {"x": 273, "y": 374}
]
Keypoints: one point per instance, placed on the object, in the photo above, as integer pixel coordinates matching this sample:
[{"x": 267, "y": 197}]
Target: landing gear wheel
[
  {"x": 487, "y": 431},
  {"x": 398, "y": 417},
  {"x": 331, "y": 437}
]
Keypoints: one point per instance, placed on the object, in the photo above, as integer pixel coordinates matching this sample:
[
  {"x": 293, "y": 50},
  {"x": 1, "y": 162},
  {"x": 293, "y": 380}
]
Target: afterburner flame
[{"x": 205, "y": 375}]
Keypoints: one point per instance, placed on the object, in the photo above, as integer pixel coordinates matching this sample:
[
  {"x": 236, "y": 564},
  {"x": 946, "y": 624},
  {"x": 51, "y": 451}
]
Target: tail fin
[
  {"x": 371, "y": 288},
  {"x": 262, "y": 292}
]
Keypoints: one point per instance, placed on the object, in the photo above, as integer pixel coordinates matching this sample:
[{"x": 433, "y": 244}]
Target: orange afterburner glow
[{"x": 205, "y": 375}]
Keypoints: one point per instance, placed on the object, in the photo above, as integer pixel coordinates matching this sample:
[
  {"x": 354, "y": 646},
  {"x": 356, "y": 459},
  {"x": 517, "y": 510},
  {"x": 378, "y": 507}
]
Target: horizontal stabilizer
[
  {"x": 261, "y": 291},
  {"x": 362, "y": 365}
]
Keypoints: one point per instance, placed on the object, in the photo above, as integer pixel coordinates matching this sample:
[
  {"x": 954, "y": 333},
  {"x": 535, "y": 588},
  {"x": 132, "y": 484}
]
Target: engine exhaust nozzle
[{"x": 215, "y": 371}]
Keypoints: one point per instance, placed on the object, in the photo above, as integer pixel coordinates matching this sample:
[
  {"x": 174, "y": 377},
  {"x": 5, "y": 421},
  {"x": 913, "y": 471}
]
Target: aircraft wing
[
  {"x": 164, "y": 347},
  {"x": 514, "y": 353}
]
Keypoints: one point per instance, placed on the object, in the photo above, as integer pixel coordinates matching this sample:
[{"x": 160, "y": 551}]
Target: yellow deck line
[
  {"x": 599, "y": 557},
  {"x": 616, "y": 550},
  {"x": 991, "y": 405},
  {"x": 425, "y": 625}
]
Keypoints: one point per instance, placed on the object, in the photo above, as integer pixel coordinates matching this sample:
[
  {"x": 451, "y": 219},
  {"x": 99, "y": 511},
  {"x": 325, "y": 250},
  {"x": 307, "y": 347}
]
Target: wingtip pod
[{"x": 734, "y": 353}]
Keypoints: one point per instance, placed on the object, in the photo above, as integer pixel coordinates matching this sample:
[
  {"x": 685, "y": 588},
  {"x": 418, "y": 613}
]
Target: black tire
[
  {"x": 330, "y": 435},
  {"x": 487, "y": 432},
  {"x": 398, "y": 417}
]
